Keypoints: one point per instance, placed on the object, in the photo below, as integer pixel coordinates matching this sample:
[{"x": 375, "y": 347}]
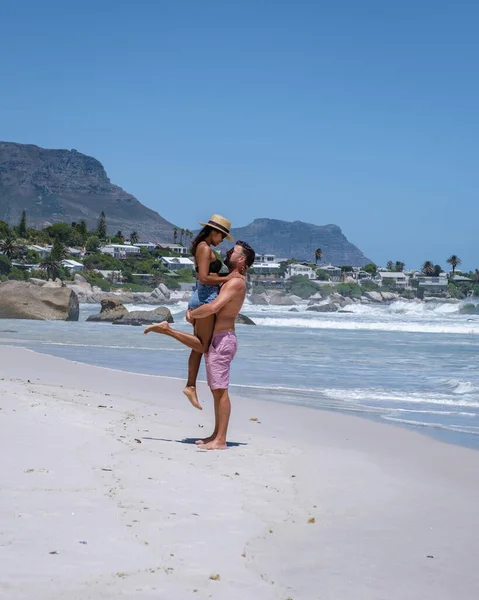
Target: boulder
[
  {"x": 53, "y": 284},
  {"x": 345, "y": 302},
  {"x": 294, "y": 309},
  {"x": 296, "y": 299},
  {"x": 389, "y": 296},
  {"x": 259, "y": 299},
  {"x": 324, "y": 308},
  {"x": 146, "y": 317},
  {"x": 37, "y": 281},
  {"x": 280, "y": 300},
  {"x": 23, "y": 300},
  {"x": 374, "y": 296},
  {"x": 79, "y": 279},
  {"x": 365, "y": 300},
  {"x": 244, "y": 320},
  {"x": 111, "y": 310}
]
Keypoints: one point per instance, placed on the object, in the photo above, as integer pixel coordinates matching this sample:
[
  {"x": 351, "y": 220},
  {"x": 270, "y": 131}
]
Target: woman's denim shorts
[{"x": 203, "y": 294}]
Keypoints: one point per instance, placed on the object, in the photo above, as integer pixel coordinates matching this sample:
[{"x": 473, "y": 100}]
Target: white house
[
  {"x": 42, "y": 250},
  {"x": 433, "y": 284},
  {"x": 296, "y": 269},
  {"x": 333, "y": 272},
  {"x": 265, "y": 258},
  {"x": 150, "y": 246},
  {"x": 396, "y": 279},
  {"x": 120, "y": 250},
  {"x": 265, "y": 264},
  {"x": 73, "y": 265},
  {"x": 174, "y": 263},
  {"x": 182, "y": 251}
]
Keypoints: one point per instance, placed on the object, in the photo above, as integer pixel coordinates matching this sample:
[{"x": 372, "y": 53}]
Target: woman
[{"x": 208, "y": 281}]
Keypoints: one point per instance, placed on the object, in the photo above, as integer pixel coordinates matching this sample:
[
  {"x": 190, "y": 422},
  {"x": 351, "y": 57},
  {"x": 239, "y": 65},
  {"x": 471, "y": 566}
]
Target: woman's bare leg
[
  {"x": 199, "y": 343},
  {"x": 203, "y": 331}
]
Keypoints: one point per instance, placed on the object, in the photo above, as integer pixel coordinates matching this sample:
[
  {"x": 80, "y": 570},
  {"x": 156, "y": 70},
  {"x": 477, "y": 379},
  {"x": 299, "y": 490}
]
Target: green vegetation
[
  {"x": 350, "y": 290},
  {"x": 369, "y": 286},
  {"x": 5, "y": 265},
  {"x": 371, "y": 269},
  {"x": 301, "y": 286}
]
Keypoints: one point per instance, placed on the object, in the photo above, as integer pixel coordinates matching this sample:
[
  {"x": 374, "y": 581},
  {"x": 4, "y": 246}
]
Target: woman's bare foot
[
  {"x": 215, "y": 445},
  {"x": 158, "y": 327},
  {"x": 190, "y": 393},
  {"x": 206, "y": 440}
]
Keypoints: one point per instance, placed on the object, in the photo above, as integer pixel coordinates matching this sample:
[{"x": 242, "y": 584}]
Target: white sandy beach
[{"x": 101, "y": 498}]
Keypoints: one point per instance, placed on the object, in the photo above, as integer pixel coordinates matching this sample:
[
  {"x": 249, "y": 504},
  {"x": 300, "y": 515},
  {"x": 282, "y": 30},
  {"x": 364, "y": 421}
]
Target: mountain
[
  {"x": 65, "y": 185},
  {"x": 300, "y": 240}
]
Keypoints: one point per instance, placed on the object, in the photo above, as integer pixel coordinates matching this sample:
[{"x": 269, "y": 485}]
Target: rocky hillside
[
  {"x": 65, "y": 185},
  {"x": 299, "y": 240}
]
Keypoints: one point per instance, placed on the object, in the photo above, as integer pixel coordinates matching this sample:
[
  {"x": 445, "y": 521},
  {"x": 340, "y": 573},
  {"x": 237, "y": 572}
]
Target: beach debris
[
  {"x": 105, "y": 469},
  {"x": 102, "y": 406},
  {"x": 215, "y": 576},
  {"x": 255, "y": 419},
  {"x": 312, "y": 520},
  {"x": 82, "y": 542},
  {"x": 137, "y": 441},
  {"x": 430, "y": 556},
  {"x": 200, "y": 426},
  {"x": 54, "y": 552},
  {"x": 244, "y": 555},
  {"x": 236, "y": 473}
]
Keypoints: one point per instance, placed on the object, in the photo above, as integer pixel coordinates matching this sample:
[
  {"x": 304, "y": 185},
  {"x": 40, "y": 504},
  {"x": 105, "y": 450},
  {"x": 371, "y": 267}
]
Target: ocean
[{"x": 410, "y": 364}]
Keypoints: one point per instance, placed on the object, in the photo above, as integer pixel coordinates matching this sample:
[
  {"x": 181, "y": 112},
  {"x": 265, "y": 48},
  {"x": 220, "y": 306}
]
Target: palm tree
[
  {"x": 120, "y": 236},
  {"x": 476, "y": 276},
  {"x": 428, "y": 268},
  {"x": 454, "y": 261},
  {"x": 9, "y": 247},
  {"x": 134, "y": 237},
  {"x": 175, "y": 234},
  {"x": 318, "y": 253},
  {"x": 399, "y": 266},
  {"x": 390, "y": 265},
  {"x": 51, "y": 266},
  {"x": 181, "y": 236}
]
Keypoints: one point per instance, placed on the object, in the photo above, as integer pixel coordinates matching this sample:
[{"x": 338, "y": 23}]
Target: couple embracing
[{"x": 212, "y": 310}]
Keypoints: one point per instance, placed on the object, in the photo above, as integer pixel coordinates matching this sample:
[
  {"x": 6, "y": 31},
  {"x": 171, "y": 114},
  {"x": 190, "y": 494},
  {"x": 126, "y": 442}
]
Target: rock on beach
[{"x": 23, "y": 300}]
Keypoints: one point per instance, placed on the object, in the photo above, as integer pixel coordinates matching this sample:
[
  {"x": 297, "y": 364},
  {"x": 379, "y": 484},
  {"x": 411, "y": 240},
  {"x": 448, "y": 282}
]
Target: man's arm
[{"x": 227, "y": 292}]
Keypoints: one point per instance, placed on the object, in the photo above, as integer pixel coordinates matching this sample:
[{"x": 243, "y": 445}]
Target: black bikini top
[{"x": 215, "y": 267}]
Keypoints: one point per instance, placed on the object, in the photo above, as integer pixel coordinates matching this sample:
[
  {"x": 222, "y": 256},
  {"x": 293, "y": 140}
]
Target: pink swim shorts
[{"x": 218, "y": 359}]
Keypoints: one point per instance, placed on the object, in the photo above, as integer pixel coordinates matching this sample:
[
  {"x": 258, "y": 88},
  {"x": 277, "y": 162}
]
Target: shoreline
[
  {"x": 438, "y": 432},
  {"x": 162, "y": 518}
]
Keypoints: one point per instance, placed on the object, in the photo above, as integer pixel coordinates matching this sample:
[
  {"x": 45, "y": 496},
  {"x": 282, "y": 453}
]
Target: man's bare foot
[
  {"x": 206, "y": 440},
  {"x": 158, "y": 327},
  {"x": 190, "y": 393},
  {"x": 215, "y": 445}
]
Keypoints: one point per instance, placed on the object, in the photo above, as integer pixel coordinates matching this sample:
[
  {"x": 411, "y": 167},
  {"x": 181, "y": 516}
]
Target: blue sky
[{"x": 363, "y": 114}]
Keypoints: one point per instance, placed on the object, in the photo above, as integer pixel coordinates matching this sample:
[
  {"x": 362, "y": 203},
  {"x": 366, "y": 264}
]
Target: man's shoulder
[{"x": 237, "y": 283}]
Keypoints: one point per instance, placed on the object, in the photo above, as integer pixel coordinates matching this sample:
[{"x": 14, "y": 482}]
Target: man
[{"x": 223, "y": 344}]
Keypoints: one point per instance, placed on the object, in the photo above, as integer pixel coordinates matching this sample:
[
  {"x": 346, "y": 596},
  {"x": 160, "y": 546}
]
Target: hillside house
[
  {"x": 399, "y": 280},
  {"x": 120, "y": 250},
  {"x": 175, "y": 263}
]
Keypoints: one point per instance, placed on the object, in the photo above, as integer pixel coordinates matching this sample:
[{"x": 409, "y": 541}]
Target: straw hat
[{"x": 221, "y": 224}]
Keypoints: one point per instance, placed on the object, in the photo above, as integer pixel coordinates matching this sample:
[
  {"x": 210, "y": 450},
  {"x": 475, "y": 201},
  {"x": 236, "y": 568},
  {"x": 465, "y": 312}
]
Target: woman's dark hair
[
  {"x": 201, "y": 237},
  {"x": 247, "y": 251}
]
